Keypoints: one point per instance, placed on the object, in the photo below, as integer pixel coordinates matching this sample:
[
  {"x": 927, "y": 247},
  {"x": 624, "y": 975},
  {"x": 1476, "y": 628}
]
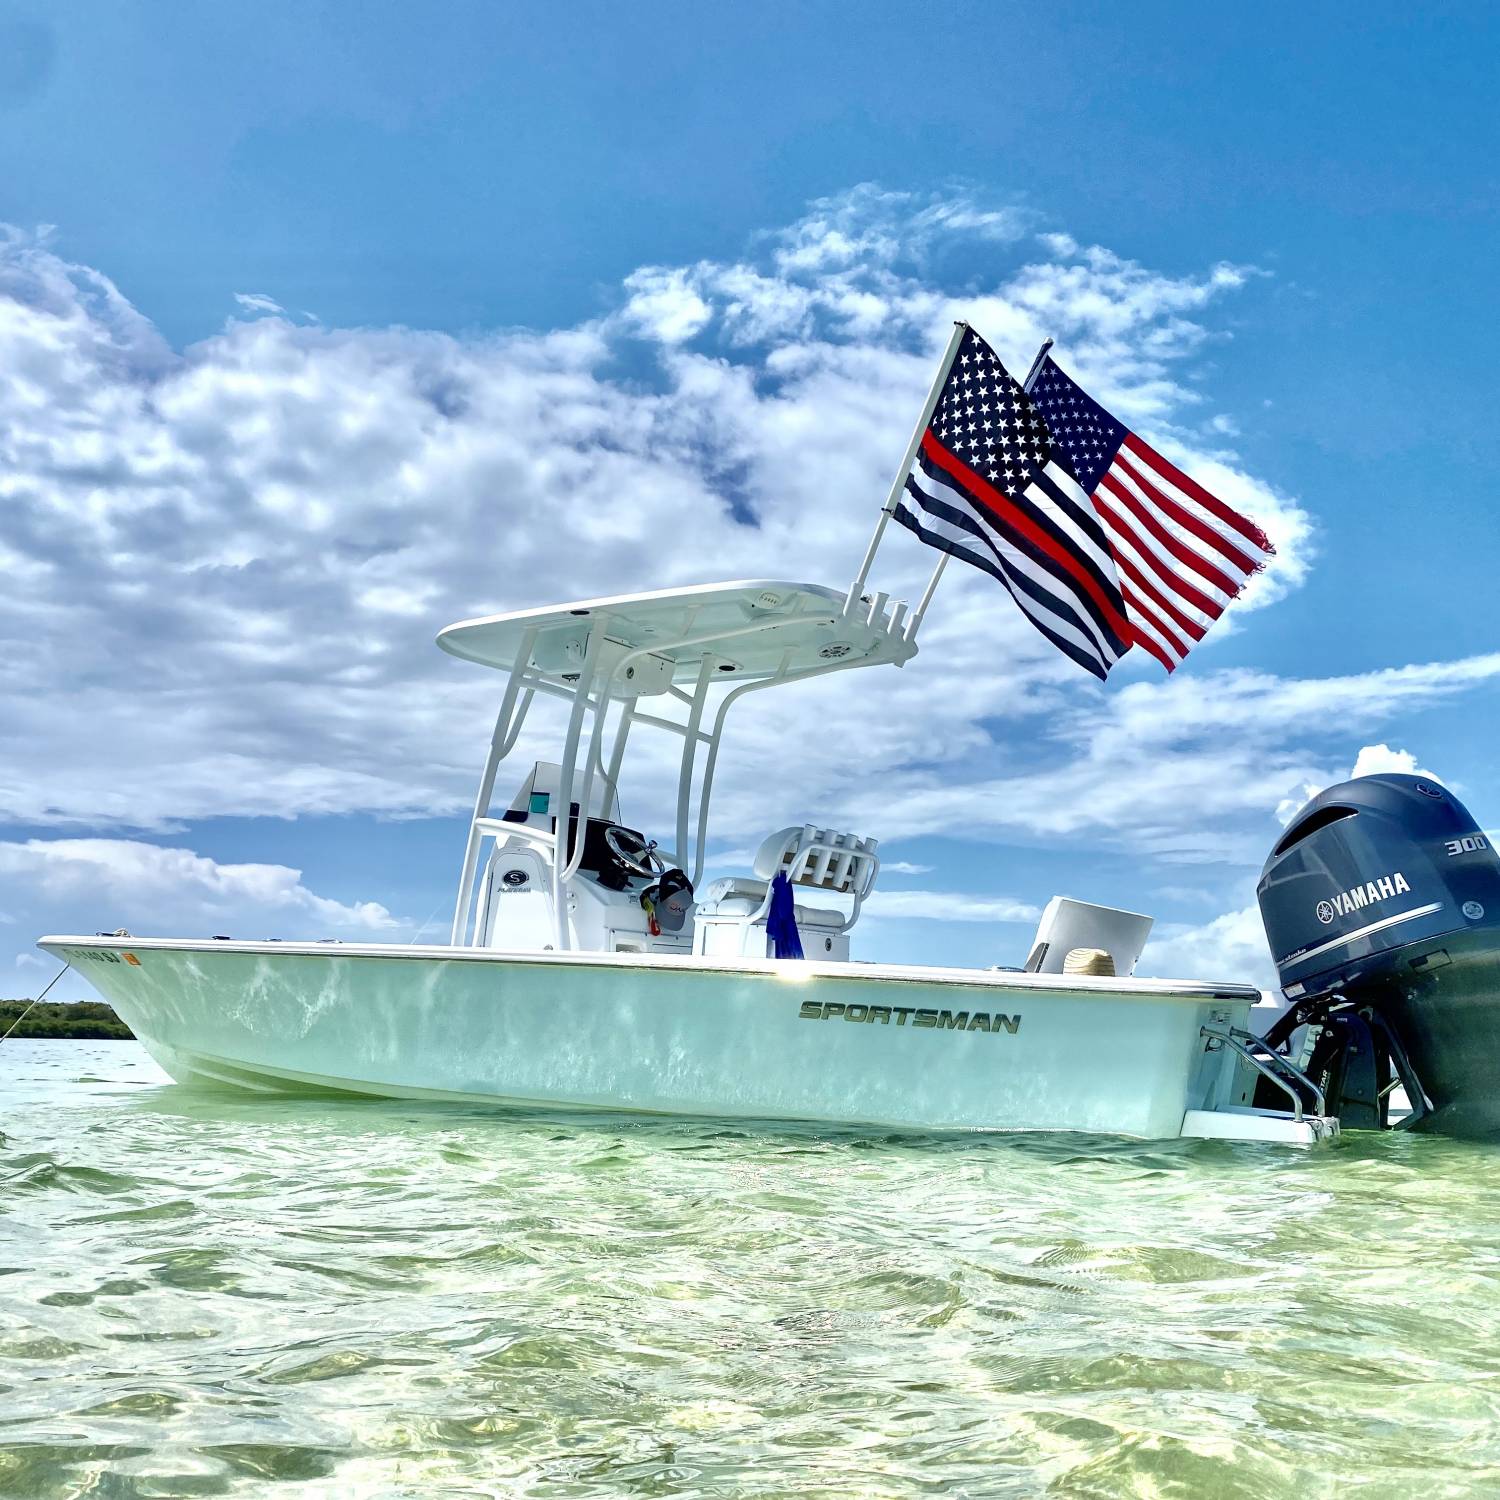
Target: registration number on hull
[{"x": 78, "y": 956}]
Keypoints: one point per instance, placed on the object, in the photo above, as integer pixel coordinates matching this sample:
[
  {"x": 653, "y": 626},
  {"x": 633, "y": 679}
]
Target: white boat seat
[
  {"x": 1069, "y": 926},
  {"x": 738, "y": 897},
  {"x": 820, "y": 859}
]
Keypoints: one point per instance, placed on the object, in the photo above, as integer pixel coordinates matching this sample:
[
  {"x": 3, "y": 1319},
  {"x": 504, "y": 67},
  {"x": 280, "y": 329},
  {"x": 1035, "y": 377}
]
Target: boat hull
[{"x": 856, "y": 1044}]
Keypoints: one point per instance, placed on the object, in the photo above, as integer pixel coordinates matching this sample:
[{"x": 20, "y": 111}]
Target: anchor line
[{"x": 37, "y": 1001}]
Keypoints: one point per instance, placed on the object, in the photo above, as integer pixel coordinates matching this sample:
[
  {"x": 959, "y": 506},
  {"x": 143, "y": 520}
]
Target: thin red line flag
[
  {"x": 1102, "y": 542},
  {"x": 987, "y": 486}
]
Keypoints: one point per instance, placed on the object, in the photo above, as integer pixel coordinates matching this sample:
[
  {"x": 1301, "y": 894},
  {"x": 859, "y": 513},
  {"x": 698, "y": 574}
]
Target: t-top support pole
[
  {"x": 562, "y": 853},
  {"x": 506, "y": 725}
]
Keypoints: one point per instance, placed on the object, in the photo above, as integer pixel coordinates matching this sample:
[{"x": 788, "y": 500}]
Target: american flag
[
  {"x": 1182, "y": 554},
  {"x": 988, "y": 486},
  {"x": 1100, "y": 540}
]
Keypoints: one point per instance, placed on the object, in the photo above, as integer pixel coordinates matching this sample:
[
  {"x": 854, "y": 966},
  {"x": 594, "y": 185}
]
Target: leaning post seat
[
  {"x": 1079, "y": 937},
  {"x": 730, "y": 918}
]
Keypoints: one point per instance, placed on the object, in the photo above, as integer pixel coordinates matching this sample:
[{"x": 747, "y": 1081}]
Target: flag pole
[
  {"x": 1036, "y": 366},
  {"x": 927, "y": 593},
  {"x": 942, "y": 562},
  {"x": 891, "y": 500}
]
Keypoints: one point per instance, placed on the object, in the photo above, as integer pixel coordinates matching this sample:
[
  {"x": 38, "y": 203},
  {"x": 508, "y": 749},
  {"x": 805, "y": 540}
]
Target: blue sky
[{"x": 231, "y": 531}]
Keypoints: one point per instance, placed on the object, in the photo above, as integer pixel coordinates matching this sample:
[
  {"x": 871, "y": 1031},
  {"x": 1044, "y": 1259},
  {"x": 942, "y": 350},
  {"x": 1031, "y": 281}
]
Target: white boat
[{"x": 562, "y": 988}]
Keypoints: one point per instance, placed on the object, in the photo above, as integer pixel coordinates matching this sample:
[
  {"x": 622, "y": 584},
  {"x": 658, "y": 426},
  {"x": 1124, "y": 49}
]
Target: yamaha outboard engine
[{"x": 1381, "y": 903}]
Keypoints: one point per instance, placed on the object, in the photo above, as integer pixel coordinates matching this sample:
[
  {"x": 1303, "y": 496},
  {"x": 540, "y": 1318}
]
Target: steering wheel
[{"x": 638, "y": 856}]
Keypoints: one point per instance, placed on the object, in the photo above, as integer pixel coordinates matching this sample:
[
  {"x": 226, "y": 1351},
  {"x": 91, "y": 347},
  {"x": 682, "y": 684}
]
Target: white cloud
[
  {"x": 960, "y": 215},
  {"x": 903, "y": 867},
  {"x": 862, "y": 225},
  {"x": 229, "y": 562},
  {"x": 258, "y": 302},
  {"x": 1183, "y": 769},
  {"x": 1061, "y": 246},
  {"x": 1235, "y": 943},
  {"x": 1230, "y": 947},
  {"x": 1372, "y": 760},
  {"x": 125, "y": 882},
  {"x": 225, "y": 565},
  {"x": 873, "y": 227},
  {"x": 664, "y": 306},
  {"x": 948, "y": 906}
]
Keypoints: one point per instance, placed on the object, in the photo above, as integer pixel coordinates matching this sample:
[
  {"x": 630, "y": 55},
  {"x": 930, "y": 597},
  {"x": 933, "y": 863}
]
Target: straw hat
[{"x": 1089, "y": 961}]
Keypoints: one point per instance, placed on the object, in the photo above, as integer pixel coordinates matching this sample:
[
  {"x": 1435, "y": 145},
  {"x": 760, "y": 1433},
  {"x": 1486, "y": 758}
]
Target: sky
[{"x": 325, "y": 325}]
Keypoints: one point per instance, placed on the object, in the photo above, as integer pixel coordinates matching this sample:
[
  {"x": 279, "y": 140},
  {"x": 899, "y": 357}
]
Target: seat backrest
[
  {"x": 820, "y": 858},
  {"x": 1067, "y": 925}
]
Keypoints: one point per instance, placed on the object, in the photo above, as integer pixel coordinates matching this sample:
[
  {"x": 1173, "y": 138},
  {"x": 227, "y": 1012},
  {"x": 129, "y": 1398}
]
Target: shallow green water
[{"x": 205, "y": 1296}]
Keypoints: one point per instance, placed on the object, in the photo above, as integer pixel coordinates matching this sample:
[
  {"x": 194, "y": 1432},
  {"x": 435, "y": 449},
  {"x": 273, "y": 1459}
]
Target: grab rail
[
  {"x": 498, "y": 828},
  {"x": 1231, "y": 1036}
]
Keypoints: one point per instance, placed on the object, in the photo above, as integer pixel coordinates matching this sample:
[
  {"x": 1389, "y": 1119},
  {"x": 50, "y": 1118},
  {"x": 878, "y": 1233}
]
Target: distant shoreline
[{"x": 87, "y": 1020}]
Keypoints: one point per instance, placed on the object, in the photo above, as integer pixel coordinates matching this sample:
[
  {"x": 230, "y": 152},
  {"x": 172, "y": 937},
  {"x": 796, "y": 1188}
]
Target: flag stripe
[
  {"x": 1189, "y": 486},
  {"x": 1144, "y": 617},
  {"x": 1210, "y": 535},
  {"x": 1073, "y": 511},
  {"x": 1147, "y": 570},
  {"x": 1013, "y": 517},
  {"x": 1143, "y": 503},
  {"x": 1037, "y": 573},
  {"x": 1118, "y": 483},
  {"x": 1141, "y": 582},
  {"x": 1038, "y": 606},
  {"x": 1152, "y": 555},
  {"x": 1147, "y": 644},
  {"x": 1138, "y": 587},
  {"x": 1223, "y": 547},
  {"x": 1058, "y": 495},
  {"x": 932, "y": 480},
  {"x": 1027, "y": 520},
  {"x": 936, "y": 534}
]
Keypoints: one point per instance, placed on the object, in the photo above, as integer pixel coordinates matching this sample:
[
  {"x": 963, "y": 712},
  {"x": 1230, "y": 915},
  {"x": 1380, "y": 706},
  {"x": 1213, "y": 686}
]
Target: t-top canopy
[{"x": 751, "y": 629}]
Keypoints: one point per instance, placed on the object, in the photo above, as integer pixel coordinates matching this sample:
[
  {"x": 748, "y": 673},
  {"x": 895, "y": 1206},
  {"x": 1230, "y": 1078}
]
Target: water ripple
[{"x": 215, "y": 1296}]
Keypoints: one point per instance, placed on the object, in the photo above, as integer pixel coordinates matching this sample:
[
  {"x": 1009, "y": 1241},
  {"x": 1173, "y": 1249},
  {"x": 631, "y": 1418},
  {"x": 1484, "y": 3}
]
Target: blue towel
[{"x": 781, "y": 920}]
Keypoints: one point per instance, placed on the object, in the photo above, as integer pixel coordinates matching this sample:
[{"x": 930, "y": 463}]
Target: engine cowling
[{"x": 1381, "y": 904}]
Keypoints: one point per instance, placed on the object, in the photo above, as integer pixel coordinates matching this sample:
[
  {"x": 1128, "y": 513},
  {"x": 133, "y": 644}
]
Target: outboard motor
[{"x": 1381, "y": 903}]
